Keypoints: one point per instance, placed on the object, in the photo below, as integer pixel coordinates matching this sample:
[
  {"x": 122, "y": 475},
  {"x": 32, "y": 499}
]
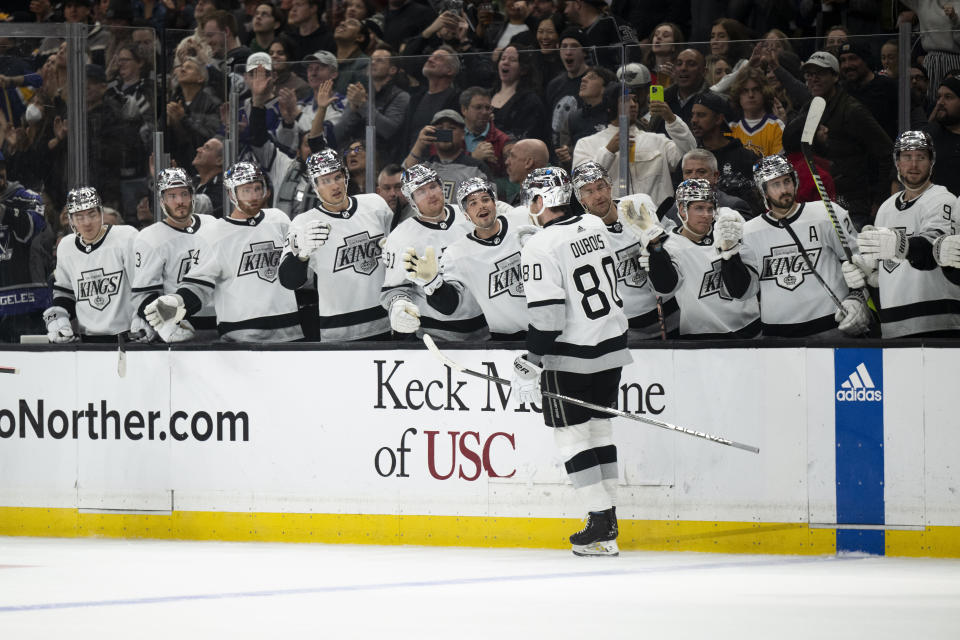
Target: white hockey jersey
[
  {"x": 570, "y": 277},
  {"x": 707, "y": 309},
  {"x": 792, "y": 302},
  {"x": 633, "y": 283},
  {"x": 489, "y": 269},
  {"x": 97, "y": 278},
  {"x": 240, "y": 268},
  {"x": 467, "y": 322},
  {"x": 163, "y": 256},
  {"x": 912, "y": 300},
  {"x": 348, "y": 269}
]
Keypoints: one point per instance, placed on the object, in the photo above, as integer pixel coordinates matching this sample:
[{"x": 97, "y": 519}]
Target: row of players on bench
[{"x": 799, "y": 270}]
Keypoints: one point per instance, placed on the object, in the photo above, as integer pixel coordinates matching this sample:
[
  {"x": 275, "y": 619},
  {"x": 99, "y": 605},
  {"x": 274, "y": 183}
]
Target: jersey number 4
[{"x": 594, "y": 301}]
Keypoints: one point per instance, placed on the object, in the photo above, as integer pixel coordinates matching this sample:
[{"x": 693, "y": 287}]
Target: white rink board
[{"x": 324, "y": 432}]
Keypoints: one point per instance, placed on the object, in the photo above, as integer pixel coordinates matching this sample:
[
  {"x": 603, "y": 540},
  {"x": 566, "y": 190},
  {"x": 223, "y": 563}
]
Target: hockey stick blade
[
  {"x": 9, "y": 370},
  {"x": 814, "y": 114},
  {"x": 432, "y": 347}
]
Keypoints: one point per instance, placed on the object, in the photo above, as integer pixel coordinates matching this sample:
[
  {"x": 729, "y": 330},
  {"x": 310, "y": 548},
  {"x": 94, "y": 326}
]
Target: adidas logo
[{"x": 859, "y": 387}]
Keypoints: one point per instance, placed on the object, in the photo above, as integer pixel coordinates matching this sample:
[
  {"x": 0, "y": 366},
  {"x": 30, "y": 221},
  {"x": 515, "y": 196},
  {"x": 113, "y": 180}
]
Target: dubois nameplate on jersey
[
  {"x": 97, "y": 287},
  {"x": 713, "y": 284},
  {"x": 786, "y": 266},
  {"x": 628, "y": 267},
  {"x": 189, "y": 261},
  {"x": 507, "y": 278},
  {"x": 262, "y": 260},
  {"x": 360, "y": 252}
]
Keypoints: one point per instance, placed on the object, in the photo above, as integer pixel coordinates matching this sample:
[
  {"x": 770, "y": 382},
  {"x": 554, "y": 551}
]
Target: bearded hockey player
[
  {"x": 95, "y": 266},
  {"x": 435, "y": 225},
  {"x": 339, "y": 242},
  {"x": 239, "y": 267},
  {"x": 576, "y": 346},
  {"x": 788, "y": 239}
]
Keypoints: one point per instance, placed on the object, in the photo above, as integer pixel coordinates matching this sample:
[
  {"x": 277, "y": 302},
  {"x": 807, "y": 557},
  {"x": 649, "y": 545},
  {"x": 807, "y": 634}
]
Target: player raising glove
[
  {"x": 404, "y": 315},
  {"x": 881, "y": 243},
  {"x": 305, "y": 241},
  {"x": 641, "y": 223},
  {"x": 946, "y": 251},
  {"x": 854, "y": 318},
  {"x": 168, "y": 309},
  {"x": 423, "y": 270},
  {"x": 526, "y": 381},
  {"x": 59, "y": 329},
  {"x": 728, "y": 234}
]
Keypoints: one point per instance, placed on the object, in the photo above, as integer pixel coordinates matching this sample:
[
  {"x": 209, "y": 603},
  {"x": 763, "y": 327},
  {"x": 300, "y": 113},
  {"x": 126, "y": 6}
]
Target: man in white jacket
[{"x": 652, "y": 155}]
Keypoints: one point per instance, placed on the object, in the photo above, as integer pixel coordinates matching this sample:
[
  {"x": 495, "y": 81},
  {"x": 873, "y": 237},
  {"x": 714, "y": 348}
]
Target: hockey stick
[
  {"x": 810, "y": 266},
  {"x": 814, "y": 114},
  {"x": 9, "y": 370},
  {"x": 432, "y": 347},
  {"x": 121, "y": 354}
]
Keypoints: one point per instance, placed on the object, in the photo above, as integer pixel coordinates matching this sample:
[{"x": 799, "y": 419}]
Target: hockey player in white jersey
[
  {"x": 239, "y": 267},
  {"x": 166, "y": 252},
  {"x": 916, "y": 298},
  {"x": 434, "y": 225},
  {"x": 485, "y": 263},
  {"x": 339, "y": 242},
  {"x": 576, "y": 346},
  {"x": 793, "y": 303},
  {"x": 705, "y": 264},
  {"x": 92, "y": 279},
  {"x": 649, "y": 317}
]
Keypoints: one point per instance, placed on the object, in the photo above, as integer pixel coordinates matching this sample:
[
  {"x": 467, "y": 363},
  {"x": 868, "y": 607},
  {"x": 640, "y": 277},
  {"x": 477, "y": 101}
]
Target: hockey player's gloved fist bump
[
  {"x": 423, "y": 270},
  {"x": 525, "y": 383},
  {"x": 305, "y": 241},
  {"x": 728, "y": 233},
  {"x": 946, "y": 251},
  {"x": 165, "y": 309},
  {"x": 882, "y": 243},
  {"x": 58, "y": 325},
  {"x": 141, "y": 331},
  {"x": 404, "y": 315},
  {"x": 854, "y": 318}
]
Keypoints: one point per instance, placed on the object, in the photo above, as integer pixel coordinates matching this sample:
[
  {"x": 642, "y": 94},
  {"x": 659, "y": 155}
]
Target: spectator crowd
[{"x": 476, "y": 97}]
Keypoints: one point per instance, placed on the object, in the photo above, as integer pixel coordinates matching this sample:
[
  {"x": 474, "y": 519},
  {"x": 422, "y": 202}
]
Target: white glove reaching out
[
  {"x": 946, "y": 251},
  {"x": 181, "y": 331},
  {"x": 728, "y": 234},
  {"x": 404, "y": 315},
  {"x": 168, "y": 309},
  {"x": 882, "y": 243},
  {"x": 641, "y": 223},
  {"x": 526, "y": 381},
  {"x": 423, "y": 270},
  {"x": 59, "y": 329},
  {"x": 305, "y": 241}
]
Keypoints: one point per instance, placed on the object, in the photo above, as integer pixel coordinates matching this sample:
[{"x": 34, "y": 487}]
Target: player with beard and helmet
[
  {"x": 435, "y": 225},
  {"x": 705, "y": 264},
  {"x": 576, "y": 346},
  {"x": 645, "y": 310},
  {"x": 95, "y": 266},
  {"x": 485, "y": 263},
  {"x": 239, "y": 266},
  {"x": 916, "y": 298},
  {"x": 793, "y": 304},
  {"x": 339, "y": 242},
  {"x": 166, "y": 252}
]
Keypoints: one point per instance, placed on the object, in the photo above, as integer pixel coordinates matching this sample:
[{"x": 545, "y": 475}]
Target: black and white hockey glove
[
  {"x": 423, "y": 270},
  {"x": 141, "y": 331},
  {"x": 59, "y": 329},
  {"x": 181, "y": 331},
  {"x": 305, "y": 241},
  {"x": 854, "y": 318},
  {"x": 859, "y": 272},
  {"x": 168, "y": 309},
  {"x": 946, "y": 251},
  {"x": 404, "y": 315},
  {"x": 882, "y": 243},
  {"x": 525, "y": 382},
  {"x": 728, "y": 234}
]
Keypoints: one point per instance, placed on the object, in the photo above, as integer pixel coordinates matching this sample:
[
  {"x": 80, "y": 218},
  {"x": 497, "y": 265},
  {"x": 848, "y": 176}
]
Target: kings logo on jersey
[
  {"x": 713, "y": 284},
  {"x": 189, "y": 261},
  {"x": 98, "y": 288},
  {"x": 628, "y": 267},
  {"x": 786, "y": 266},
  {"x": 507, "y": 278},
  {"x": 360, "y": 252},
  {"x": 262, "y": 260}
]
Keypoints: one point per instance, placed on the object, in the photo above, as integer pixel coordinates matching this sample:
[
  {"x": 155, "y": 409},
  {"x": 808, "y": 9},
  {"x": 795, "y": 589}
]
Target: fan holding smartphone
[{"x": 440, "y": 146}]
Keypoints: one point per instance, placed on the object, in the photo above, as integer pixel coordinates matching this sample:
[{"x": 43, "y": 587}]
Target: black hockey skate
[{"x": 599, "y": 536}]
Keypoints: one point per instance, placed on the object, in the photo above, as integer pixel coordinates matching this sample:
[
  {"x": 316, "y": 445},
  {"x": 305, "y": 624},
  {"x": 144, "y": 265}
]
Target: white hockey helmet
[
  {"x": 415, "y": 177},
  {"x": 587, "y": 172},
  {"x": 695, "y": 190},
  {"x": 173, "y": 178},
  {"x": 325, "y": 161},
  {"x": 240, "y": 174},
  {"x": 914, "y": 141},
  {"x": 769, "y": 168},
  {"x": 550, "y": 183},
  {"x": 471, "y": 186},
  {"x": 82, "y": 199}
]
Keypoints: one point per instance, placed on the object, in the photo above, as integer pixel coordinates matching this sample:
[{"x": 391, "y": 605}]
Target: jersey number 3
[{"x": 594, "y": 301}]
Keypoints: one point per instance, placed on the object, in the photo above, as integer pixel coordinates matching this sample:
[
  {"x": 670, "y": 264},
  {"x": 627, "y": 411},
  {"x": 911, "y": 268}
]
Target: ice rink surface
[{"x": 105, "y": 588}]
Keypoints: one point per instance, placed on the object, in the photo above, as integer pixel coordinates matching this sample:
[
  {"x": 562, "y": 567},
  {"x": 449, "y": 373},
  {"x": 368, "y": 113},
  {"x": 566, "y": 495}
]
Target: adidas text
[{"x": 859, "y": 395}]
